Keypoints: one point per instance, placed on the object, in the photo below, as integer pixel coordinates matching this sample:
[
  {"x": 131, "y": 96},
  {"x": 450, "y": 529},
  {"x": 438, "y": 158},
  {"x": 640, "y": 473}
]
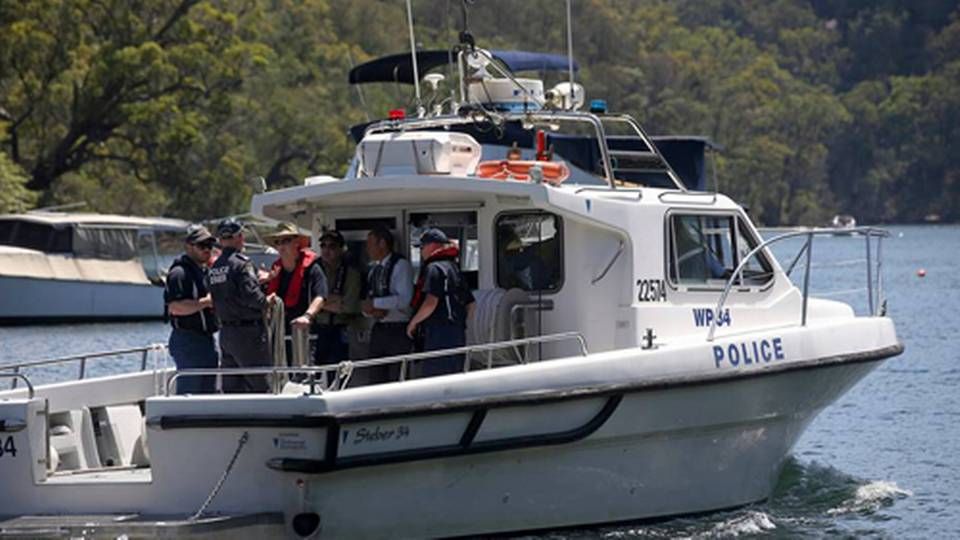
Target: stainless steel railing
[
  {"x": 875, "y": 299},
  {"x": 344, "y": 370},
  {"x": 22, "y": 377},
  {"x": 144, "y": 353}
]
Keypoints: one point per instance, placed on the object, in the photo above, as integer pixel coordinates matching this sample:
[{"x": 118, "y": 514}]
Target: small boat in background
[
  {"x": 70, "y": 267},
  {"x": 843, "y": 224}
]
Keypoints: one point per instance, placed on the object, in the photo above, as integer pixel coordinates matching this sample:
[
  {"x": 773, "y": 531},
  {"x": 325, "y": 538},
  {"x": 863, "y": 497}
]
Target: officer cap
[
  {"x": 229, "y": 227},
  {"x": 433, "y": 236},
  {"x": 198, "y": 234}
]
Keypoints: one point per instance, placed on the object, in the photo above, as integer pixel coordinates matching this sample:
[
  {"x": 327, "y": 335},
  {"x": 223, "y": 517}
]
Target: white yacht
[
  {"x": 58, "y": 267},
  {"x": 637, "y": 352}
]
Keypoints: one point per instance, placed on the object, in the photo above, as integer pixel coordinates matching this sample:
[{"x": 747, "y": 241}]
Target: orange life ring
[{"x": 512, "y": 169}]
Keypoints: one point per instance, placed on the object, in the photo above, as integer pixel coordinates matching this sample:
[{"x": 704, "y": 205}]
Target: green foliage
[
  {"x": 171, "y": 106},
  {"x": 14, "y": 195}
]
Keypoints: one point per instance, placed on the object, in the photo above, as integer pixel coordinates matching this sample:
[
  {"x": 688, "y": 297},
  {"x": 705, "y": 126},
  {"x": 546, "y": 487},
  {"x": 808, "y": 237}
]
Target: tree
[{"x": 14, "y": 195}]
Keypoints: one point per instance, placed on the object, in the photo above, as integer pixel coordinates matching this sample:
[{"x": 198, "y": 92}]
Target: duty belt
[{"x": 251, "y": 322}]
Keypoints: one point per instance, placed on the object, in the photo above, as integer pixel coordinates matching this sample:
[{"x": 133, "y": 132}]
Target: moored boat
[{"x": 59, "y": 267}]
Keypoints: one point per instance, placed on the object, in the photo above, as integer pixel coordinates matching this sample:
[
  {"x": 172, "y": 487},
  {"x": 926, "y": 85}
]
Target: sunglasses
[
  {"x": 204, "y": 245},
  {"x": 226, "y": 237},
  {"x": 284, "y": 241},
  {"x": 331, "y": 245}
]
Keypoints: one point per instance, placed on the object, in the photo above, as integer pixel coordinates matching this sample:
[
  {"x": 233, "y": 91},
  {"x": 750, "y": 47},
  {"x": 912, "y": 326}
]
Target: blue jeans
[
  {"x": 193, "y": 350},
  {"x": 442, "y": 336}
]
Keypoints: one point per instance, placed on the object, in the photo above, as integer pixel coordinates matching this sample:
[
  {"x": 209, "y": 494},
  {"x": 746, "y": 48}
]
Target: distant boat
[
  {"x": 63, "y": 267},
  {"x": 843, "y": 224}
]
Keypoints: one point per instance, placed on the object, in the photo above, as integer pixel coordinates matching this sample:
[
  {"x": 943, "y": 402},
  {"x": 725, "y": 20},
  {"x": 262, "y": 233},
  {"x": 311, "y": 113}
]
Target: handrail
[
  {"x": 349, "y": 366},
  {"x": 15, "y": 376},
  {"x": 609, "y": 265},
  {"x": 736, "y": 276},
  {"x": 82, "y": 358}
]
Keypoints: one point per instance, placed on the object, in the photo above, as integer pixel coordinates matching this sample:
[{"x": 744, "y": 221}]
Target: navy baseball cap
[
  {"x": 229, "y": 227},
  {"x": 433, "y": 236}
]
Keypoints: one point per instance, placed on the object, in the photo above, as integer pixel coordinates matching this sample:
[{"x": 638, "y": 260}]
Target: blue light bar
[{"x": 598, "y": 106}]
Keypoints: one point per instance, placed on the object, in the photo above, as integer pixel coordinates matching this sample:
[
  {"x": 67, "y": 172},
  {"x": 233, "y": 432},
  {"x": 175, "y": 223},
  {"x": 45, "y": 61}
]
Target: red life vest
[
  {"x": 449, "y": 253},
  {"x": 292, "y": 296}
]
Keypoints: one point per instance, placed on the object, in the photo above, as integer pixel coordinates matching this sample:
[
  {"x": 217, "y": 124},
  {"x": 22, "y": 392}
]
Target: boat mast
[
  {"x": 573, "y": 90},
  {"x": 413, "y": 54}
]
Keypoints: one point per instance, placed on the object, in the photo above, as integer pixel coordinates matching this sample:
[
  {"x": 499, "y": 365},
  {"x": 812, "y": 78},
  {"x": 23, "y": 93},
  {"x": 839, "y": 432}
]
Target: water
[{"x": 879, "y": 463}]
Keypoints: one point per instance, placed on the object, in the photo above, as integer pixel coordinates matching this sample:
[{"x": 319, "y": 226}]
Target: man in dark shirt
[
  {"x": 240, "y": 304},
  {"x": 443, "y": 303},
  {"x": 189, "y": 305},
  {"x": 297, "y": 279}
]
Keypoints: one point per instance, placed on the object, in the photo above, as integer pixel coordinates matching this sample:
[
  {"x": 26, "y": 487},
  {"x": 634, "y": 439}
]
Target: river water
[{"x": 882, "y": 462}]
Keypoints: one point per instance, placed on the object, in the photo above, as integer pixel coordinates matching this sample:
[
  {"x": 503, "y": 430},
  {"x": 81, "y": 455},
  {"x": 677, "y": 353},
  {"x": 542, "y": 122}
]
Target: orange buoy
[
  {"x": 921, "y": 273},
  {"x": 513, "y": 169}
]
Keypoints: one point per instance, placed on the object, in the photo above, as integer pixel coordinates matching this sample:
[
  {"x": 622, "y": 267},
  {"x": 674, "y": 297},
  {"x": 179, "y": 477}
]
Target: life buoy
[{"x": 512, "y": 169}]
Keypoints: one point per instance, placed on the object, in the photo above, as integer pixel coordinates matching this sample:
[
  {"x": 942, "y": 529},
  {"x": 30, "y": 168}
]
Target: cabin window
[
  {"x": 706, "y": 249},
  {"x": 37, "y": 236},
  {"x": 529, "y": 251}
]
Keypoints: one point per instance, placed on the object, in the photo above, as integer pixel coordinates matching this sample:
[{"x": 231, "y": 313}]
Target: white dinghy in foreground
[{"x": 636, "y": 352}]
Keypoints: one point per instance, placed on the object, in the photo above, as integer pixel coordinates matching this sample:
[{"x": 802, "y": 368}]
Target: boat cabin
[{"x": 584, "y": 232}]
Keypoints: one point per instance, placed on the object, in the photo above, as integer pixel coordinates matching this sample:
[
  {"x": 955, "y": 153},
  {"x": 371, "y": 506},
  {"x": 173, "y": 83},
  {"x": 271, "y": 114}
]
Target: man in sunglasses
[
  {"x": 190, "y": 307},
  {"x": 341, "y": 312},
  {"x": 240, "y": 305}
]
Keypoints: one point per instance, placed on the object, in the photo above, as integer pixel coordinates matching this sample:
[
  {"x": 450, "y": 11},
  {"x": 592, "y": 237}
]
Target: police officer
[
  {"x": 389, "y": 290},
  {"x": 443, "y": 303},
  {"x": 191, "y": 315},
  {"x": 240, "y": 304}
]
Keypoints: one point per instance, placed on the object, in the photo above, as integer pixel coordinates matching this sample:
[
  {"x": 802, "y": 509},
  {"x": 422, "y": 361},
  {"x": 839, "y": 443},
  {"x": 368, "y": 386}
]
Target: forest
[{"x": 170, "y": 107}]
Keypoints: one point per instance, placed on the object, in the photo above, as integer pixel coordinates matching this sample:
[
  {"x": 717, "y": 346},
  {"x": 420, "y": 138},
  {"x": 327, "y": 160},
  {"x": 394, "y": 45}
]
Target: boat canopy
[
  {"x": 686, "y": 154},
  {"x": 399, "y": 67}
]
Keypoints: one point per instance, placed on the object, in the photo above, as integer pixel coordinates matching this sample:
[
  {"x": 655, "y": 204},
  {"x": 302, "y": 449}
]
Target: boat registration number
[
  {"x": 7, "y": 447},
  {"x": 652, "y": 290}
]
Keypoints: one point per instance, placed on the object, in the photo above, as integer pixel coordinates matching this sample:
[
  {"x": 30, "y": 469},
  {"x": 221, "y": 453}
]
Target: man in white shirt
[{"x": 389, "y": 291}]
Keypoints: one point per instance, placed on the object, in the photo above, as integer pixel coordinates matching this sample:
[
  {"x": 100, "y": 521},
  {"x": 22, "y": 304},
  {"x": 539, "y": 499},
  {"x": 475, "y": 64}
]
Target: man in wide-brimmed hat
[{"x": 296, "y": 278}]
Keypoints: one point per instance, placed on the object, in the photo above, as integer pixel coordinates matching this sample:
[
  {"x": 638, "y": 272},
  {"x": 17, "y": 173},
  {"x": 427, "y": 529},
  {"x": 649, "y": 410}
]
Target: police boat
[{"x": 636, "y": 352}]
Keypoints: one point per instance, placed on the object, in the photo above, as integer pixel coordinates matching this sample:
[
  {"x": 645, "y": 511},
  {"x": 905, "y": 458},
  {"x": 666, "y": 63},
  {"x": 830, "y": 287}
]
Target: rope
[{"x": 216, "y": 489}]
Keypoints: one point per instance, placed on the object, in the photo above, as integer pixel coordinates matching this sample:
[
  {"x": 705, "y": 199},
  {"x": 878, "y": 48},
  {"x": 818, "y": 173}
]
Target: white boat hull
[
  {"x": 27, "y": 300},
  {"x": 610, "y": 437}
]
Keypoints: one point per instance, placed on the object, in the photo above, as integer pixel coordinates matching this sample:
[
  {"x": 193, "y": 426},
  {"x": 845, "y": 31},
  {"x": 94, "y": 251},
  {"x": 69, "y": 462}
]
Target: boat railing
[
  {"x": 13, "y": 370},
  {"x": 22, "y": 377},
  {"x": 343, "y": 371},
  {"x": 875, "y": 299}
]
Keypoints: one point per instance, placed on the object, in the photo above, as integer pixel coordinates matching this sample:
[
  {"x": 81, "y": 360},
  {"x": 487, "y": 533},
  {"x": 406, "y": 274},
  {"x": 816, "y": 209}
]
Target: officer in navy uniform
[
  {"x": 189, "y": 305},
  {"x": 240, "y": 304},
  {"x": 443, "y": 303},
  {"x": 389, "y": 290}
]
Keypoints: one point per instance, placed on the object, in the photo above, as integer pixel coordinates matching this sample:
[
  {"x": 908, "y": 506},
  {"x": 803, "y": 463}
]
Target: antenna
[
  {"x": 413, "y": 54},
  {"x": 573, "y": 91}
]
